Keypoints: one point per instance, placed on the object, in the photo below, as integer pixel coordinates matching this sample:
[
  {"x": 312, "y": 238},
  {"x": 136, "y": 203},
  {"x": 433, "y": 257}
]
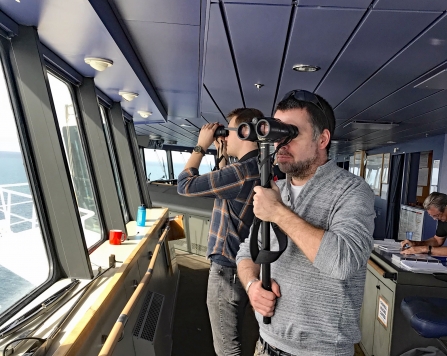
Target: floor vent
[{"x": 147, "y": 321}]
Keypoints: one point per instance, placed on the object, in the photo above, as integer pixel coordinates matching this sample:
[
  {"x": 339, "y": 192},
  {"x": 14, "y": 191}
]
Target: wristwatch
[
  {"x": 429, "y": 250},
  {"x": 199, "y": 149}
]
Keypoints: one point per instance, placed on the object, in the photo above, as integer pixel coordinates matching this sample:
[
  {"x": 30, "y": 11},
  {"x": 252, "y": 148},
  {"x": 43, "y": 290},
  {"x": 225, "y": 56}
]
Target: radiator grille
[{"x": 147, "y": 321}]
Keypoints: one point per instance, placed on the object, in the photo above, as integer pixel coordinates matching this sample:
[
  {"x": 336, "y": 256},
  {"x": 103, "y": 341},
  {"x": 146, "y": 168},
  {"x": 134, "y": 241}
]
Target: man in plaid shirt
[{"x": 232, "y": 190}]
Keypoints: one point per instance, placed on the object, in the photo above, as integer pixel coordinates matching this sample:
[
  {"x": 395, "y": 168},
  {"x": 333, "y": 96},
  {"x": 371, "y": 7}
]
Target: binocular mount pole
[{"x": 265, "y": 225}]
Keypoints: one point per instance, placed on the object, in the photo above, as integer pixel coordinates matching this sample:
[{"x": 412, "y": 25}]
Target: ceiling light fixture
[
  {"x": 127, "y": 95},
  {"x": 144, "y": 114},
  {"x": 98, "y": 63},
  {"x": 305, "y": 68},
  {"x": 185, "y": 125},
  {"x": 259, "y": 85},
  {"x": 154, "y": 136}
]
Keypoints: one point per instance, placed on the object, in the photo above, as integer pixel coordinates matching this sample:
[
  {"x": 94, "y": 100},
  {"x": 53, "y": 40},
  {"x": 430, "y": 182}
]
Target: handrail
[
  {"x": 117, "y": 329},
  {"x": 6, "y": 204}
]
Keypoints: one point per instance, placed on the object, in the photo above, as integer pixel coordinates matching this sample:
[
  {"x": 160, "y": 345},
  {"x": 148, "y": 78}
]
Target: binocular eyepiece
[
  {"x": 266, "y": 129},
  {"x": 221, "y": 132}
]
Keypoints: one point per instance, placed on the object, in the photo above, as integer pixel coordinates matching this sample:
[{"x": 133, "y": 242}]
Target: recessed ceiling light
[
  {"x": 144, "y": 114},
  {"x": 154, "y": 136},
  {"x": 98, "y": 63},
  {"x": 390, "y": 142},
  {"x": 185, "y": 125},
  {"x": 127, "y": 95},
  {"x": 305, "y": 68}
]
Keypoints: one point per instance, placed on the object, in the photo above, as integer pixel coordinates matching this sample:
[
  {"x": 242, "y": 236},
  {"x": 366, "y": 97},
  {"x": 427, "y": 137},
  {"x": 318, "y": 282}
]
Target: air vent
[{"x": 147, "y": 321}]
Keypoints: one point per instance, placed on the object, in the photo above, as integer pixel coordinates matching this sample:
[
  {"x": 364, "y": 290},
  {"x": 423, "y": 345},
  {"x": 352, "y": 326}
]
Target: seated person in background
[{"x": 435, "y": 205}]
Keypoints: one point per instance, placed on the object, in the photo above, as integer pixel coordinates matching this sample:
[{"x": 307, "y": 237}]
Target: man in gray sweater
[{"x": 328, "y": 216}]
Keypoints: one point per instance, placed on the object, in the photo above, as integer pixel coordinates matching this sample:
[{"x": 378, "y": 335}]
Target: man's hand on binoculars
[
  {"x": 267, "y": 202},
  {"x": 221, "y": 145},
  {"x": 206, "y": 135}
]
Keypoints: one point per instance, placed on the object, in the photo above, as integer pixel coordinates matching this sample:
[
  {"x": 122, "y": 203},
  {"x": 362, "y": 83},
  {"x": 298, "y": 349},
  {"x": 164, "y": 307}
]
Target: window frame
[
  {"x": 27, "y": 152},
  {"x": 87, "y": 156},
  {"x": 114, "y": 158}
]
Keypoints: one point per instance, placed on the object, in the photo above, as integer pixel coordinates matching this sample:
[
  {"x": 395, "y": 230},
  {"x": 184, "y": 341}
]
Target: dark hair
[
  {"x": 244, "y": 114},
  {"x": 318, "y": 119},
  {"x": 436, "y": 200}
]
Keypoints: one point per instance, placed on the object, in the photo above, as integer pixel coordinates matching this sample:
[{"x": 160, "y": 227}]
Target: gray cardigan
[{"x": 318, "y": 311}]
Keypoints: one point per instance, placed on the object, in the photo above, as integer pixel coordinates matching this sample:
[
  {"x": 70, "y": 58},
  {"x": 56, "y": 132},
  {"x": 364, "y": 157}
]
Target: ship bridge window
[
  {"x": 24, "y": 263},
  {"x": 179, "y": 160},
  {"x": 156, "y": 164},
  {"x": 77, "y": 161},
  {"x": 112, "y": 155}
]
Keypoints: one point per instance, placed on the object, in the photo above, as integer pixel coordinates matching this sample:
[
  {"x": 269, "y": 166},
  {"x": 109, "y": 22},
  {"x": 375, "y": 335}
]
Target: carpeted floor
[{"x": 192, "y": 330}]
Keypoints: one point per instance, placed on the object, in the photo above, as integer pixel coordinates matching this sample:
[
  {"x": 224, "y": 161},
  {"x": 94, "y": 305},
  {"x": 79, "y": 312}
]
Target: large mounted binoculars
[{"x": 266, "y": 129}]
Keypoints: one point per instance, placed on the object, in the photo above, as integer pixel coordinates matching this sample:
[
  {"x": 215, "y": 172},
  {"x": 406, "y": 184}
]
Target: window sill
[{"x": 98, "y": 301}]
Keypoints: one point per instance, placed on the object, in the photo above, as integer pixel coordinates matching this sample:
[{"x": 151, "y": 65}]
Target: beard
[{"x": 301, "y": 169}]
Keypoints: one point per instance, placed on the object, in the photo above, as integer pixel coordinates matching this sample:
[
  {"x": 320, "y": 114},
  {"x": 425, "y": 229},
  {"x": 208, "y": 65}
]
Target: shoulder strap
[{"x": 263, "y": 256}]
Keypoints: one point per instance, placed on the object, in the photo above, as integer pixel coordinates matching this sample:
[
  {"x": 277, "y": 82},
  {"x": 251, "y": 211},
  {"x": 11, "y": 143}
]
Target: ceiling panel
[
  {"x": 208, "y": 104},
  {"x": 54, "y": 19},
  {"x": 197, "y": 121},
  {"x": 214, "y": 117},
  {"x": 402, "y": 98},
  {"x": 181, "y": 103},
  {"x": 425, "y": 5},
  {"x": 220, "y": 76},
  {"x": 363, "y": 4},
  {"x": 316, "y": 47},
  {"x": 165, "y": 133},
  {"x": 170, "y": 53},
  {"x": 421, "y": 56},
  {"x": 190, "y": 132},
  {"x": 393, "y": 103},
  {"x": 27, "y": 14},
  {"x": 258, "y": 33},
  {"x": 186, "y": 12},
  {"x": 261, "y": 2},
  {"x": 413, "y": 126},
  {"x": 379, "y": 37}
]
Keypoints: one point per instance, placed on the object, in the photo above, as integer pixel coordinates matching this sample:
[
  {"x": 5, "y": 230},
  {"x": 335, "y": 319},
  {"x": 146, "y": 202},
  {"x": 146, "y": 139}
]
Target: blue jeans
[{"x": 226, "y": 301}]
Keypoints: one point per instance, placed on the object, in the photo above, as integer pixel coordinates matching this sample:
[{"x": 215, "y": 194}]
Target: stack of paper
[
  {"x": 388, "y": 245},
  {"x": 397, "y": 257},
  {"x": 423, "y": 267}
]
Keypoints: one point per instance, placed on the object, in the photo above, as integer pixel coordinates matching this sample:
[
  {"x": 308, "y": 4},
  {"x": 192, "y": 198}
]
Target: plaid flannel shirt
[{"x": 232, "y": 187}]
